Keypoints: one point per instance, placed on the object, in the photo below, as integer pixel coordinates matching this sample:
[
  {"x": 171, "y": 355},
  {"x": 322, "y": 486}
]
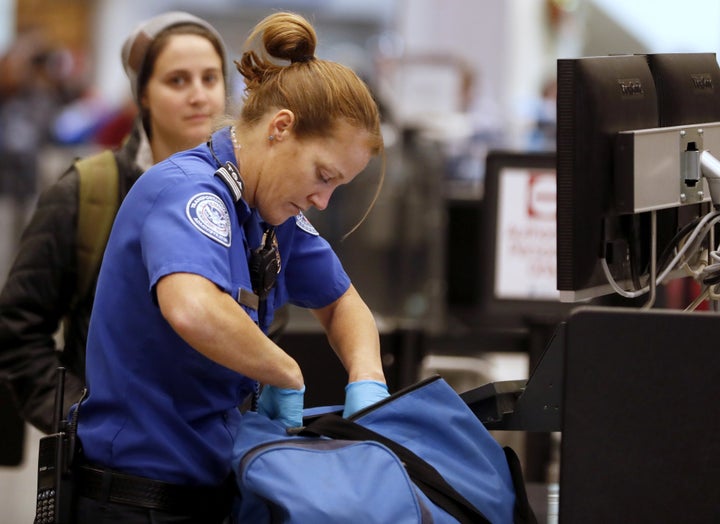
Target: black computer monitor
[
  {"x": 606, "y": 196},
  {"x": 597, "y": 98},
  {"x": 687, "y": 87}
]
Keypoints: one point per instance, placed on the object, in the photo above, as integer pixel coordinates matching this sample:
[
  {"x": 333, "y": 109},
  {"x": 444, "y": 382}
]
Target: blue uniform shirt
[{"x": 157, "y": 407}]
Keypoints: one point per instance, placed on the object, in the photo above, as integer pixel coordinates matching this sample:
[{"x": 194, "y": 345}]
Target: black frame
[{"x": 511, "y": 311}]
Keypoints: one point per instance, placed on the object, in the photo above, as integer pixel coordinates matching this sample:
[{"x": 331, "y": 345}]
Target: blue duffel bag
[{"x": 419, "y": 456}]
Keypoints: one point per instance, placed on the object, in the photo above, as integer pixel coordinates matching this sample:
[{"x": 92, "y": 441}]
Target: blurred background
[{"x": 455, "y": 79}]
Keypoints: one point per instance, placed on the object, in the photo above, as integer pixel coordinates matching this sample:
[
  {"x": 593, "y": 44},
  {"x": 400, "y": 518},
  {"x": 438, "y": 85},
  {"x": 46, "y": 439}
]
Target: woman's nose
[
  {"x": 198, "y": 93},
  {"x": 321, "y": 199}
]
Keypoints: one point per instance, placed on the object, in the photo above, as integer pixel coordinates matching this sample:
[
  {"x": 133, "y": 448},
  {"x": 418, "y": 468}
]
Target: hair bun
[{"x": 302, "y": 59}]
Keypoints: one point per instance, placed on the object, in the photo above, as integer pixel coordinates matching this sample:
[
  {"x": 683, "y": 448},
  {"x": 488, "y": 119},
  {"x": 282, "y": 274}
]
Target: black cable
[{"x": 682, "y": 233}]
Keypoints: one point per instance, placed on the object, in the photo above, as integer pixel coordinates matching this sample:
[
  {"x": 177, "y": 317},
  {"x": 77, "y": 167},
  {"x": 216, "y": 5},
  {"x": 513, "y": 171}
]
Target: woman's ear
[{"x": 281, "y": 124}]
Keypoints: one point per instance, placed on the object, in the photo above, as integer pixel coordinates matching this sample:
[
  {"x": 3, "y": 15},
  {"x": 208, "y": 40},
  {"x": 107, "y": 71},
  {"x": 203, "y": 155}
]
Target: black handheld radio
[
  {"x": 54, "y": 485},
  {"x": 265, "y": 264}
]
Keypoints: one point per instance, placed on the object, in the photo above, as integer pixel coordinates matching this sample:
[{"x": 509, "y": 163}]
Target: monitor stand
[{"x": 525, "y": 405}]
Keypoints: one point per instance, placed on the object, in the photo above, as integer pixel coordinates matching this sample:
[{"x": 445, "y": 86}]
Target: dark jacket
[{"x": 36, "y": 299}]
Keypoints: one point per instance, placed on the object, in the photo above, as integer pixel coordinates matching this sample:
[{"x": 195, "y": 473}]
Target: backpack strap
[
  {"x": 422, "y": 473},
  {"x": 98, "y": 202}
]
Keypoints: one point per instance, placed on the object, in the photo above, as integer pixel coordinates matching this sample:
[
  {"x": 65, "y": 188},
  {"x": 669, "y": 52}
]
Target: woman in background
[{"x": 176, "y": 66}]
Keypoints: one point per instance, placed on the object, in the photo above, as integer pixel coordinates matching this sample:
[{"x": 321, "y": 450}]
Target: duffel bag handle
[{"x": 423, "y": 474}]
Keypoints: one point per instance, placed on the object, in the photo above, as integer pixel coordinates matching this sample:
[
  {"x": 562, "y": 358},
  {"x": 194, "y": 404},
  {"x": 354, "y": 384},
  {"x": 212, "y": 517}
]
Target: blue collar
[
  {"x": 221, "y": 146},
  {"x": 227, "y": 171}
]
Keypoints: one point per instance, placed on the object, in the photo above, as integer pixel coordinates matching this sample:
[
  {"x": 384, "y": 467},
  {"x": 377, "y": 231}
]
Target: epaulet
[
  {"x": 230, "y": 174},
  {"x": 98, "y": 202}
]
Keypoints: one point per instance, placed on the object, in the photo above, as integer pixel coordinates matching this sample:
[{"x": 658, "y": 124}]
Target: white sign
[{"x": 525, "y": 263}]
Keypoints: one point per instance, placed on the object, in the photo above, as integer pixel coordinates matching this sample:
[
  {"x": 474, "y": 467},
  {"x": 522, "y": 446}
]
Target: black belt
[{"x": 110, "y": 486}]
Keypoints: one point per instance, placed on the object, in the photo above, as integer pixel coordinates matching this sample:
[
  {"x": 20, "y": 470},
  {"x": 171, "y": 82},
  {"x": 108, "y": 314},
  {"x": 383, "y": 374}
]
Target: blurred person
[
  {"x": 115, "y": 126},
  {"x": 205, "y": 247},
  {"x": 32, "y": 91},
  {"x": 542, "y": 136},
  {"x": 176, "y": 66}
]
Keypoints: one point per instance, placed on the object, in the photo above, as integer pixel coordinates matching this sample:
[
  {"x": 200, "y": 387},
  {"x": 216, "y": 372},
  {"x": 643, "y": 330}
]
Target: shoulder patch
[
  {"x": 303, "y": 223},
  {"x": 207, "y": 212}
]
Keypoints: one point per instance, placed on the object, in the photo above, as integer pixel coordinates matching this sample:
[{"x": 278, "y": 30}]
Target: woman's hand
[
  {"x": 282, "y": 404},
  {"x": 363, "y": 393}
]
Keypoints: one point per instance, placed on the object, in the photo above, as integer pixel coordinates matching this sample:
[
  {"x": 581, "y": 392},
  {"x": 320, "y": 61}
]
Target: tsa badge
[
  {"x": 304, "y": 224},
  {"x": 207, "y": 212}
]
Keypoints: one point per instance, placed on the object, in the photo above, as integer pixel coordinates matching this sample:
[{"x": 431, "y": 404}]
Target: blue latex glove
[
  {"x": 363, "y": 393},
  {"x": 283, "y": 405}
]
